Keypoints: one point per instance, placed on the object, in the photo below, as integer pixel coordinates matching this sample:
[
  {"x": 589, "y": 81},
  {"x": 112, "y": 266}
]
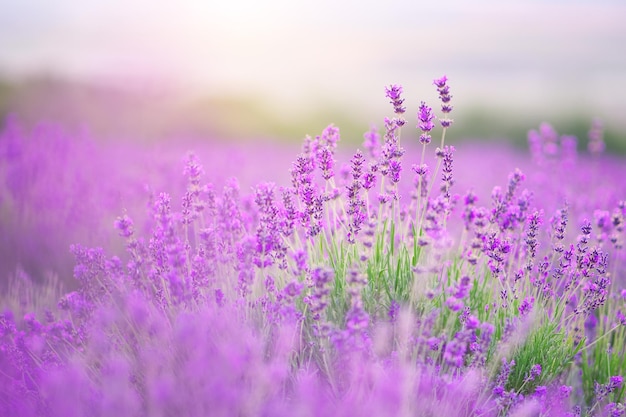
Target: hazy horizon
[{"x": 517, "y": 55}]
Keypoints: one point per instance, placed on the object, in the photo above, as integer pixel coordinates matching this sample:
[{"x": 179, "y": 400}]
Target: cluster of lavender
[{"x": 343, "y": 293}]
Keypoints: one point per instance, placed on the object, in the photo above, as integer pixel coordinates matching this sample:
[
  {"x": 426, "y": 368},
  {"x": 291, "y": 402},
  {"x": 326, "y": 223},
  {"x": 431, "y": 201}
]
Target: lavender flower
[
  {"x": 391, "y": 150},
  {"x": 395, "y": 167},
  {"x": 193, "y": 171},
  {"x": 421, "y": 179},
  {"x": 615, "y": 410},
  {"x": 446, "y": 176},
  {"x": 603, "y": 390},
  {"x": 326, "y": 163},
  {"x": 502, "y": 378},
  {"x": 357, "y": 209},
  {"x": 444, "y": 96},
  {"x": 502, "y": 202},
  {"x": 300, "y": 256},
  {"x": 394, "y": 308},
  {"x": 615, "y": 383},
  {"x": 269, "y": 246},
  {"x": 526, "y": 306},
  {"x": 321, "y": 279},
  {"x": 454, "y": 304},
  {"x": 534, "y": 373},
  {"x": 125, "y": 226},
  {"x": 330, "y": 137},
  {"x": 394, "y": 92},
  {"x": 531, "y": 240},
  {"x": 462, "y": 291},
  {"x": 369, "y": 178},
  {"x": 289, "y": 213},
  {"x": 302, "y": 181},
  {"x": 425, "y": 117},
  {"x": 559, "y": 224}
]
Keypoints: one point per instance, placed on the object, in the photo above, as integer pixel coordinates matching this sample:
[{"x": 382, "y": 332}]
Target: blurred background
[
  {"x": 149, "y": 69},
  {"x": 114, "y": 79}
]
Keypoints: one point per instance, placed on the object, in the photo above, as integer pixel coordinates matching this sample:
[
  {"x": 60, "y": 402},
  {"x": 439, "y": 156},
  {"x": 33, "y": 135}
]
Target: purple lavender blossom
[
  {"x": 321, "y": 279},
  {"x": 289, "y": 214},
  {"x": 502, "y": 378},
  {"x": 357, "y": 210},
  {"x": 559, "y": 224},
  {"x": 125, "y": 226},
  {"x": 446, "y": 176},
  {"x": 421, "y": 179},
  {"x": 534, "y": 373},
  {"x": 393, "y": 92},
  {"x": 454, "y": 304},
  {"x": 302, "y": 181},
  {"x": 526, "y": 306},
  {"x": 369, "y": 179},
  {"x": 394, "y": 308},
  {"x": 330, "y": 136},
  {"x": 462, "y": 290},
  {"x": 603, "y": 390},
  {"x": 615, "y": 383},
  {"x": 501, "y": 213},
  {"x": 269, "y": 246},
  {"x": 614, "y": 410},
  {"x": 391, "y": 150},
  {"x": 531, "y": 239},
  {"x": 425, "y": 117},
  {"x": 444, "y": 96},
  {"x": 326, "y": 163},
  {"x": 395, "y": 167}
]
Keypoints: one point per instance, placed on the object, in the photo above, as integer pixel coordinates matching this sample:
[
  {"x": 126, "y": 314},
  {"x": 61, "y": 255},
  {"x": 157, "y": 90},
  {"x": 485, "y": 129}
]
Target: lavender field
[{"x": 402, "y": 278}]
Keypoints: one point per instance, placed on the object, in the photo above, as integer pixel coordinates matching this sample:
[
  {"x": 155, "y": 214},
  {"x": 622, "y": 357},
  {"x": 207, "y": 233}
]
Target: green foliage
[
  {"x": 603, "y": 358},
  {"x": 549, "y": 346}
]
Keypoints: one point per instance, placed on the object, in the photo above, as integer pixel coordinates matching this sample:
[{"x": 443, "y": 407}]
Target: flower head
[
  {"x": 394, "y": 92},
  {"x": 534, "y": 373},
  {"x": 125, "y": 226},
  {"x": 441, "y": 82},
  {"x": 445, "y": 97},
  {"x": 425, "y": 116}
]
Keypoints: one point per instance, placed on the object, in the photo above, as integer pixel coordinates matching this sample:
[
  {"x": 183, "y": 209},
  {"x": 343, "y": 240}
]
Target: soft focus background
[
  {"x": 150, "y": 69},
  {"x": 124, "y": 89}
]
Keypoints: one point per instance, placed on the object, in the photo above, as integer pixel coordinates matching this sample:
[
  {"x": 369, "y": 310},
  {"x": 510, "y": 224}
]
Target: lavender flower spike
[
  {"x": 444, "y": 95},
  {"x": 425, "y": 117},
  {"x": 393, "y": 92}
]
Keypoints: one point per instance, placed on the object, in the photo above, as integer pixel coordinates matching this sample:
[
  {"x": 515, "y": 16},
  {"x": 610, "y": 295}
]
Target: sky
[{"x": 521, "y": 55}]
